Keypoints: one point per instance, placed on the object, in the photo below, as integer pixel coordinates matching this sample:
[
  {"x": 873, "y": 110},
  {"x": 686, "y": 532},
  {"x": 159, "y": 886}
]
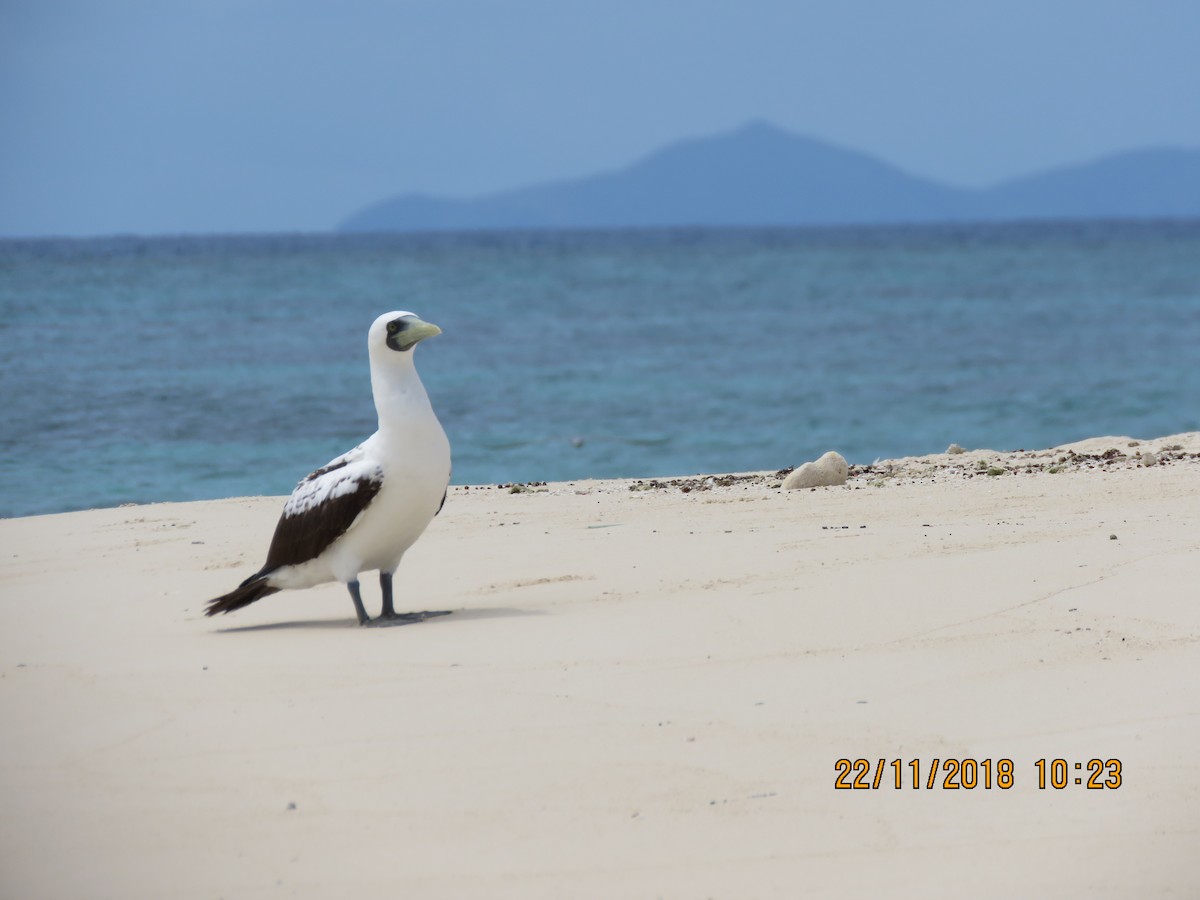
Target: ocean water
[{"x": 138, "y": 370}]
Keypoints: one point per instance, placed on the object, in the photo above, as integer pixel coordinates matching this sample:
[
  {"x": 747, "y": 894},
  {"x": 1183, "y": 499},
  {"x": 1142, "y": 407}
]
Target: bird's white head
[
  {"x": 393, "y": 335},
  {"x": 390, "y": 343}
]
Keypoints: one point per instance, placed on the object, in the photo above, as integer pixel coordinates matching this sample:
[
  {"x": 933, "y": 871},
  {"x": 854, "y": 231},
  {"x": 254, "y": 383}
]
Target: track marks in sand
[{"x": 533, "y": 582}]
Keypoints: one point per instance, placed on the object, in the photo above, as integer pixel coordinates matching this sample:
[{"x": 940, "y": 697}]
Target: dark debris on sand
[
  {"x": 708, "y": 482},
  {"x": 985, "y": 464}
]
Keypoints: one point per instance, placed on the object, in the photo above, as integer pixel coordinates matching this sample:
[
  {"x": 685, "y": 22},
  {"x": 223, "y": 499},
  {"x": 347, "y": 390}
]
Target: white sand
[{"x": 641, "y": 693}]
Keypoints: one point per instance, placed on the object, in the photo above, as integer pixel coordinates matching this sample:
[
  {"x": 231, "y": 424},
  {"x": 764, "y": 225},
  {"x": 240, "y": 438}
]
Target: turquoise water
[{"x": 140, "y": 370}]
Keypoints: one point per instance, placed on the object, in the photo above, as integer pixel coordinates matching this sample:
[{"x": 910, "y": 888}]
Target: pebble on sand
[
  {"x": 1149, "y": 459},
  {"x": 829, "y": 470}
]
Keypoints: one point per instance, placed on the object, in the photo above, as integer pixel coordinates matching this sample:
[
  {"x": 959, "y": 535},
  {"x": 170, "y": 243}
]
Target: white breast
[{"x": 416, "y": 470}]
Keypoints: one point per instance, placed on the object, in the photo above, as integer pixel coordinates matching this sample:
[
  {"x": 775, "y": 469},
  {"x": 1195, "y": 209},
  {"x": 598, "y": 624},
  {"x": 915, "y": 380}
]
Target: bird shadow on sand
[{"x": 347, "y": 623}]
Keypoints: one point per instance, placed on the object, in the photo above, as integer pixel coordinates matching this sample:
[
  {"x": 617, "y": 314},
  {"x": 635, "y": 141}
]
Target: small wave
[
  {"x": 503, "y": 445},
  {"x": 646, "y": 441}
]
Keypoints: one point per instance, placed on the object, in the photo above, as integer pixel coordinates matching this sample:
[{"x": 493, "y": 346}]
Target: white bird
[{"x": 364, "y": 509}]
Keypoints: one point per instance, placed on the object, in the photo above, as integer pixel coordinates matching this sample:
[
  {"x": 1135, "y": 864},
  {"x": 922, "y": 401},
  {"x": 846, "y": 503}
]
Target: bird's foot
[{"x": 389, "y": 620}]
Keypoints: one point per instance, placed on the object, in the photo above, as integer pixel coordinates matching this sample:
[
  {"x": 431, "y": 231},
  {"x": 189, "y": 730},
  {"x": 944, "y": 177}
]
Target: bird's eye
[{"x": 393, "y": 327}]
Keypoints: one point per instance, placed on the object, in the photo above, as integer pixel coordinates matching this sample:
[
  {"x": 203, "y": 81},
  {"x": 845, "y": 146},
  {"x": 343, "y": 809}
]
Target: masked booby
[{"x": 364, "y": 509}]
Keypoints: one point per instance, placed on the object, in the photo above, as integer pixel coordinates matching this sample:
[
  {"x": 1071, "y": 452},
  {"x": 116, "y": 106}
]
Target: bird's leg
[
  {"x": 385, "y": 588},
  {"x": 388, "y": 615},
  {"x": 356, "y": 596}
]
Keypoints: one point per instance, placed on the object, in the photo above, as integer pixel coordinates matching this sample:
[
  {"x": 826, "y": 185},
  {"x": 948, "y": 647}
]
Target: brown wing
[{"x": 322, "y": 509}]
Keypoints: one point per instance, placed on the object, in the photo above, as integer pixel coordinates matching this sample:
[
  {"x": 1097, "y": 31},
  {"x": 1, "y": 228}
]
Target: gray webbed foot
[
  {"x": 388, "y": 618},
  {"x": 389, "y": 621}
]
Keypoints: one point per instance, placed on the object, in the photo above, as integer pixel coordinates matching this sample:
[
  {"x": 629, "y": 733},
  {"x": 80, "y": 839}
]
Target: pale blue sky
[{"x": 170, "y": 116}]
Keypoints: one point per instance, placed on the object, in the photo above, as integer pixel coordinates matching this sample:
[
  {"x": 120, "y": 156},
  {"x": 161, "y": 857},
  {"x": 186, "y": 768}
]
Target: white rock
[
  {"x": 954, "y": 448},
  {"x": 829, "y": 470},
  {"x": 1149, "y": 459}
]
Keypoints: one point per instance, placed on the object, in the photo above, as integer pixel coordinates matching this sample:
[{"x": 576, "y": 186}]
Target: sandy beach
[{"x": 643, "y": 690}]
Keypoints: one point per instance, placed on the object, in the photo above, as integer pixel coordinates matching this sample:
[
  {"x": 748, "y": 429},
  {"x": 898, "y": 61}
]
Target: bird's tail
[{"x": 253, "y": 588}]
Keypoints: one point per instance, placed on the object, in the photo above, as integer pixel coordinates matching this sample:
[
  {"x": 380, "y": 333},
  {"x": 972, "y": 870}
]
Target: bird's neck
[{"x": 399, "y": 395}]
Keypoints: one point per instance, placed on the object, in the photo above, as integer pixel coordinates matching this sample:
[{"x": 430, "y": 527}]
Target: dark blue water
[{"x": 174, "y": 369}]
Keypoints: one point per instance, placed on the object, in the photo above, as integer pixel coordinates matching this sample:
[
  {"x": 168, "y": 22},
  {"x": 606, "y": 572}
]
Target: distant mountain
[
  {"x": 1153, "y": 183},
  {"x": 762, "y": 175}
]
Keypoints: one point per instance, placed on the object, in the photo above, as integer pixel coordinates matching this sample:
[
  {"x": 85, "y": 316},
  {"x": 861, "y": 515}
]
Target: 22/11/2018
[{"x": 968, "y": 774}]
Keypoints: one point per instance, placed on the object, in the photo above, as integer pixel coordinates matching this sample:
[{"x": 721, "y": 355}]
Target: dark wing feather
[
  {"x": 322, "y": 509},
  {"x": 253, "y": 588}
]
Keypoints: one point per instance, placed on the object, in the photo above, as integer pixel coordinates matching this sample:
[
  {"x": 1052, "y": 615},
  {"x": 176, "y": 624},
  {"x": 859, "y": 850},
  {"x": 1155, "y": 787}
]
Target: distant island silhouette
[{"x": 762, "y": 175}]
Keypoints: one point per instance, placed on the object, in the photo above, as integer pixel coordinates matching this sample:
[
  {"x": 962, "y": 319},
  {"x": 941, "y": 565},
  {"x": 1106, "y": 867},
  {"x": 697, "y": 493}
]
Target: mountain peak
[
  {"x": 760, "y": 174},
  {"x": 756, "y": 127}
]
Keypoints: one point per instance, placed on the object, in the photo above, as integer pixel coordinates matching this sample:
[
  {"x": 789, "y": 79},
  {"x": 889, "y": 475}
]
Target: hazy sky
[{"x": 166, "y": 116}]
